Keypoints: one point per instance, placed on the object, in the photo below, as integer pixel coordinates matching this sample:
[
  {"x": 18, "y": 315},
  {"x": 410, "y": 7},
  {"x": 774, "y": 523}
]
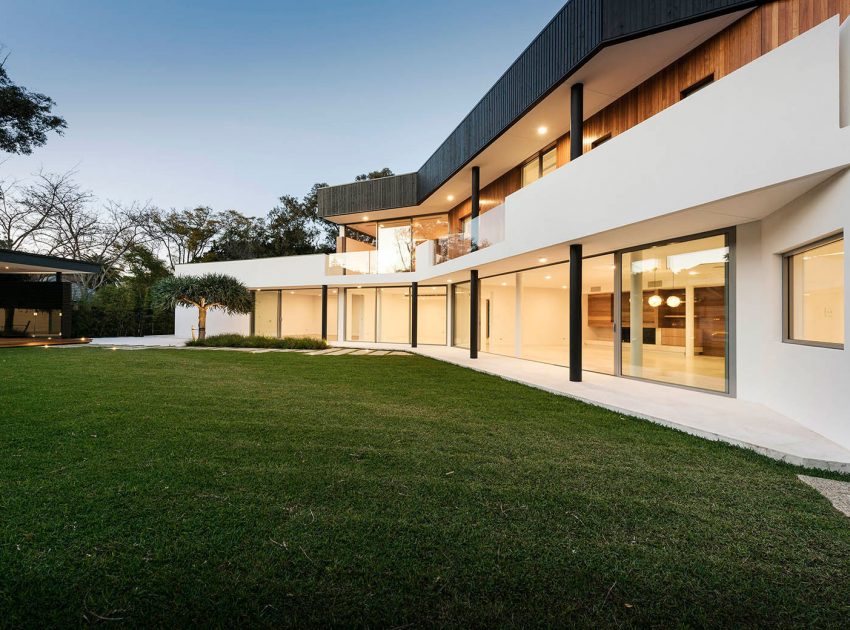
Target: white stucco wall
[{"x": 809, "y": 384}]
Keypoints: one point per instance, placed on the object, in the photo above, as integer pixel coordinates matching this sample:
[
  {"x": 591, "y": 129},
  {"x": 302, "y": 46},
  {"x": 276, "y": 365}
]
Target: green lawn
[{"x": 178, "y": 488}]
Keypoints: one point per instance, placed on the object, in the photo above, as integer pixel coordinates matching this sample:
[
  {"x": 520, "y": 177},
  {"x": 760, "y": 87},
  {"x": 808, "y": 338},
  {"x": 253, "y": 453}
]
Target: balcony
[{"x": 488, "y": 229}]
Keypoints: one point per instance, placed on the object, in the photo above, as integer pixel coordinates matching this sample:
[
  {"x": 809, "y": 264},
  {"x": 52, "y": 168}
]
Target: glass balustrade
[{"x": 480, "y": 233}]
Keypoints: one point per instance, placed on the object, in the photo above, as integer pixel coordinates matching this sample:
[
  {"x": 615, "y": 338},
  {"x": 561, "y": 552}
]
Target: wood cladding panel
[
  {"x": 492, "y": 195},
  {"x": 764, "y": 29}
]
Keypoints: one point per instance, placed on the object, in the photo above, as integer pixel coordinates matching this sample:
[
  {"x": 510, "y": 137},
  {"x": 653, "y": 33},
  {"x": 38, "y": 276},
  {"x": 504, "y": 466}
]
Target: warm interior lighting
[
  {"x": 542, "y": 130},
  {"x": 365, "y": 217},
  {"x": 451, "y": 197},
  {"x": 563, "y": 286},
  {"x": 542, "y": 260},
  {"x": 655, "y": 301},
  {"x": 548, "y": 278},
  {"x": 674, "y": 301}
]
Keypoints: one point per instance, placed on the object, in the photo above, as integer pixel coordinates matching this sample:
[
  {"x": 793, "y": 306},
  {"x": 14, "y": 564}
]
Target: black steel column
[
  {"x": 473, "y": 314},
  {"x": 414, "y": 313},
  {"x": 325, "y": 312},
  {"x": 476, "y": 205},
  {"x": 575, "y": 314},
  {"x": 576, "y": 121}
]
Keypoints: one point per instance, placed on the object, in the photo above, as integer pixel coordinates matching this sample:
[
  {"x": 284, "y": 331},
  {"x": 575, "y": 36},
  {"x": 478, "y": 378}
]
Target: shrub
[{"x": 254, "y": 341}]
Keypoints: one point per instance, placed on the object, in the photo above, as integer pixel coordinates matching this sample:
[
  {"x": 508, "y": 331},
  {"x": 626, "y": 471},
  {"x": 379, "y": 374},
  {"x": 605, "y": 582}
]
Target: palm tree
[{"x": 210, "y": 291}]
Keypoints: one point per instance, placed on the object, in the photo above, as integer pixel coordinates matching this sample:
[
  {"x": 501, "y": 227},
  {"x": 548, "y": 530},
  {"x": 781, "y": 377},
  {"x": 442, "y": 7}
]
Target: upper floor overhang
[{"x": 610, "y": 46}]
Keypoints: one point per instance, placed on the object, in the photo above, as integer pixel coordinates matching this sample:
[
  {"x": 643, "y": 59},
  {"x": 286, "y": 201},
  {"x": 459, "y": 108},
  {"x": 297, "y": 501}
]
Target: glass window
[
  {"x": 360, "y": 314},
  {"x": 431, "y": 315},
  {"x": 597, "y": 294},
  {"x": 497, "y": 314},
  {"x": 430, "y": 228},
  {"x": 394, "y": 315},
  {"x": 549, "y": 161},
  {"x": 674, "y": 302},
  {"x": 395, "y": 246},
  {"x": 545, "y": 305},
  {"x": 266, "y": 313},
  {"x": 333, "y": 314},
  {"x": 815, "y": 292},
  {"x": 301, "y": 313},
  {"x": 460, "y": 315},
  {"x": 531, "y": 171}
]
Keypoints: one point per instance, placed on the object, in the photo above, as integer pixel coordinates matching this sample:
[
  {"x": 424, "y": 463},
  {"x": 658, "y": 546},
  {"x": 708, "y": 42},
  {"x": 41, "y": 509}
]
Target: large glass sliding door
[
  {"x": 497, "y": 314},
  {"x": 431, "y": 329},
  {"x": 598, "y": 315},
  {"x": 360, "y": 314},
  {"x": 394, "y": 315},
  {"x": 266, "y": 313},
  {"x": 460, "y": 314},
  {"x": 675, "y": 300},
  {"x": 301, "y": 313},
  {"x": 545, "y": 314}
]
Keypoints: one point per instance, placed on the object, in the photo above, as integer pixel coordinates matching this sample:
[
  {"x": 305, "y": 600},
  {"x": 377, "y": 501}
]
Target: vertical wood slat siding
[
  {"x": 398, "y": 191},
  {"x": 757, "y": 33}
]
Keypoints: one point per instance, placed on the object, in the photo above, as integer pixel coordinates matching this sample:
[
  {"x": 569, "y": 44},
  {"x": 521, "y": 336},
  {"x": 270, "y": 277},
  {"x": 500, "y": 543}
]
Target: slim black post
[
  {"x": 325, "y": 312},
  {"x": 575, "y": 314},
  {"x": 576, "y": 121},
  {"x": 414, "y": 313},
  {"x": 473, "y": 314},
  {"x": 476, "y": 205}
]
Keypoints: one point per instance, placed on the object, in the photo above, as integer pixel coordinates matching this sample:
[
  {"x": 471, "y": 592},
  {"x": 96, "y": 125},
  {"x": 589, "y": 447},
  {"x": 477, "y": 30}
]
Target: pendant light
[{"x": 655, "y": 300}]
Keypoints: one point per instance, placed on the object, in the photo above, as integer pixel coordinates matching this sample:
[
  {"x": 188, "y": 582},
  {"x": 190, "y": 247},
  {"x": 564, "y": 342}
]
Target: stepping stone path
[
  {"x": 329, "y": 352},
  {"x": 838, "y": 492}
]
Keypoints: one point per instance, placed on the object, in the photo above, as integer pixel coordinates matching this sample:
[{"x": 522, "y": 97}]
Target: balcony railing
[
  {"x": 486, "y": 230},
  {"x": 352, "y": 263}
]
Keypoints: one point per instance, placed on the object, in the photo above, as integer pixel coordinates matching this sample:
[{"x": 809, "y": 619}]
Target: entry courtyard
[{"x": 188, "y": 487}]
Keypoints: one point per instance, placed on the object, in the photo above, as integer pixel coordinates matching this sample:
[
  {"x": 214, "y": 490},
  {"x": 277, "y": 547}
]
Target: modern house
[
  {"x": 654, "y": 190},
  {"x": 35, "y": 301}
]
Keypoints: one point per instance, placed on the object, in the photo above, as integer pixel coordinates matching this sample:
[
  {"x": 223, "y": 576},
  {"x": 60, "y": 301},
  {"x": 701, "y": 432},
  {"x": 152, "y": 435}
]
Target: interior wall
[
  {"x": 808, "y": 384},
  {"x": 431, "y": 316},
  {"x": 266, "y": 313},
  {"x": 393, "y": 315},
  {"x": 301, "y": 313}
]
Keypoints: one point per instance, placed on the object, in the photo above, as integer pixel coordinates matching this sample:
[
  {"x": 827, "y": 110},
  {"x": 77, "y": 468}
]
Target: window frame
[
  {"x": 788, "y": 293},
  {"x": 538, "y": 157}
]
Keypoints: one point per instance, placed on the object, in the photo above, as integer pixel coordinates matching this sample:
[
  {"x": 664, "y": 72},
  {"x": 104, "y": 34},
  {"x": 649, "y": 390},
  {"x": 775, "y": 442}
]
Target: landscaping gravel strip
[{"x": 838, "y": 492}]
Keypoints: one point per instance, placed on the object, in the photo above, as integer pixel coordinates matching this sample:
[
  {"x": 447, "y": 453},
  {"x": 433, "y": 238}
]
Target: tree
[
  {"x": 25, "y": 117},
  {"x": 384, "y": 172},
  {"x": 182, "y": 236},
  {"x": 294, "y": 226},
  {"x": 239, "y": 238},
  {"x": 210, "y": 291}
]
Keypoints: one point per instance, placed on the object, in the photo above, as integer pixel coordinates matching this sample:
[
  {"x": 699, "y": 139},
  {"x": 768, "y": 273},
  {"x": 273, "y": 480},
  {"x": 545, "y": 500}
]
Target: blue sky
[{"x": 234, "y": 103}]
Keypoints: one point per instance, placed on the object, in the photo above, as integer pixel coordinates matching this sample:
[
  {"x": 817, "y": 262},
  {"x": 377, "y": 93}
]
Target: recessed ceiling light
[
  {"x": 365, "y": 217},
  {"x": 451, "y": 197},
  {"x": 543, "y": 130},
  {"x": 548, "y": 277},
  {"x": 542, "y": 260},
  {"x": 563, "y": 286},
  {"x": 504, "y": 284},
  {"x": 693, "y": 273}
]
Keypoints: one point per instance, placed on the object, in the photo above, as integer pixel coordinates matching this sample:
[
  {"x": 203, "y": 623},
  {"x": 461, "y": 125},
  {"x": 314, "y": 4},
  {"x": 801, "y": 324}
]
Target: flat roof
[{"x": 13, "y": 262}]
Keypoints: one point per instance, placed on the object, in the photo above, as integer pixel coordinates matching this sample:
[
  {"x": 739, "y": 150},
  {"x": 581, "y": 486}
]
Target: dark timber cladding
[{"x": 398, "y": 191}]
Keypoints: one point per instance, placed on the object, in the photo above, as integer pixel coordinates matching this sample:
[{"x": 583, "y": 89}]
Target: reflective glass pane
[
  {"x": 497, "y": 314},
  {"x": 598, "y": 313},
  {"x": 549, "y": 161},
  {"x": 395, "y": 246},
  {"x": 360, "y": 314},
  {"x": 394, "y": 314},
  {"x": 301, "y": 313},
  {"x": 266, "y": 313},
  {"x": 816, "y": 293},
  {"x": 545, "y": 305},
  {"x": 674, "y": 300},
  {"x": 531, "y": 172},
  {"x": 431, "y": 316},
  {"x": 460, "y": 315},
  {"x": 333, "y": 314}
]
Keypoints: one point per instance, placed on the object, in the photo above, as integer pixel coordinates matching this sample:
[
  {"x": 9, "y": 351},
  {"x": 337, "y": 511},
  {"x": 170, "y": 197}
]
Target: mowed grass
[{"x": 180, "y": 488}]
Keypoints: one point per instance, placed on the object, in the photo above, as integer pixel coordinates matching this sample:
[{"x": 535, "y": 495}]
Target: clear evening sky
[{"x": 233, "y": 103}]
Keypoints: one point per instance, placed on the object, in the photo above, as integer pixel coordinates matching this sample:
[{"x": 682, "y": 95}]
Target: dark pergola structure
[{"x": 37, "y": 311}]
